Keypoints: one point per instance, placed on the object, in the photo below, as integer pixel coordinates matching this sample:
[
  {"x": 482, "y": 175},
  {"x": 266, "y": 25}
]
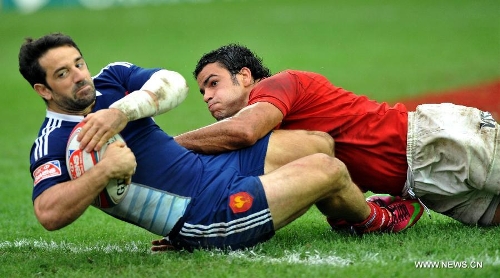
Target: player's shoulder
[
  {"x": 120, "y": 64},
  {"x": 114, "y": 67},
  {"x": 290, "y": 75},
  {"x": 294, "y": 72},
  {"x": 53, "y": 134},
  {"x": 301, "y": 73}
]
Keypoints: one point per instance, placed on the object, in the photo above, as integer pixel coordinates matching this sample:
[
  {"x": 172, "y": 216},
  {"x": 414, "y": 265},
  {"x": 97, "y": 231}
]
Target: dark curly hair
[
  {"x": 234, "y": 57},
  {"x": 33, "y": 49}
]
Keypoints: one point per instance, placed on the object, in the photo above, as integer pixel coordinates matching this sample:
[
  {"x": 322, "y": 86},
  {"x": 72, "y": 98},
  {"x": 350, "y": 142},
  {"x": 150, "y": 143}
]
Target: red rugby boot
[
  {"x": 405, "y": 213},
  {"x": 383, "y": 200}
]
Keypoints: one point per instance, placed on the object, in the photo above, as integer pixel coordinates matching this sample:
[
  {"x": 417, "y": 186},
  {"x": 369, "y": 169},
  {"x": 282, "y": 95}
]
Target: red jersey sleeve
[
  {"x": 297, "y": 94},
  {"x": 279, "y": 90}
]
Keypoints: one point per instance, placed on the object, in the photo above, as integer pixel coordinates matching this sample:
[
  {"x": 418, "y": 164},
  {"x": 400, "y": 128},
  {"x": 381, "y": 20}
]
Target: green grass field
[{"x": 384, "y": 49}]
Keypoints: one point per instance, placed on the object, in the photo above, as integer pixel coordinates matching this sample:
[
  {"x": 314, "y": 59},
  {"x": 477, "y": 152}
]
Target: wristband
[
  {"x": 136, "y": 105},
  {"x": 170, "y": 88}
]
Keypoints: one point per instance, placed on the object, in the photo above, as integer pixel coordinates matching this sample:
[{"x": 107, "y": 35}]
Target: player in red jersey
[{"x": 445, "y": 155}]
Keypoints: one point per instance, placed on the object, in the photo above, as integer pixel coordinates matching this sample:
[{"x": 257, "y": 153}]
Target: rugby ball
[{"x": 79, "y": 161}]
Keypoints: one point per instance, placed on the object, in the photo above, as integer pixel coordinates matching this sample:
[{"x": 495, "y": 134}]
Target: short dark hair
[
  {"x": 234, "y": 57},
  {"x": 33, "y": 49}
]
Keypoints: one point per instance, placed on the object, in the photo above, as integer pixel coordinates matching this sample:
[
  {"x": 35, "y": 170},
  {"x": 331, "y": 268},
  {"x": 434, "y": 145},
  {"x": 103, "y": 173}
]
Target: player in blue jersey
[{"x": 236, "y": 199}]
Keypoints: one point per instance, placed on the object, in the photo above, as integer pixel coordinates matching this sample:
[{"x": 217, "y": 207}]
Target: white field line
[
  {"x": 290, "y": 257},
  {"x": 306, "y": 258},
  {"x": 132, "y": 247}
]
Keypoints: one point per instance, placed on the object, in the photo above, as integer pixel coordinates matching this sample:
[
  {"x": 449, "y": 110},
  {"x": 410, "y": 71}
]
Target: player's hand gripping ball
[{"x": 79, "y": 161}]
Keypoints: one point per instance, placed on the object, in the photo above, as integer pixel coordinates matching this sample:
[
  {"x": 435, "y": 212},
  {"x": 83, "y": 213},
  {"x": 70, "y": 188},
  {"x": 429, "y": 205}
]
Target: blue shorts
[{"x": 231, "y": 212}]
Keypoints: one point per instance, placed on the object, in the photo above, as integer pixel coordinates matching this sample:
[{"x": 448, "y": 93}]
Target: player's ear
[
  {"x": 247, "y": 78},
  {"x": 43, "y": 91}
]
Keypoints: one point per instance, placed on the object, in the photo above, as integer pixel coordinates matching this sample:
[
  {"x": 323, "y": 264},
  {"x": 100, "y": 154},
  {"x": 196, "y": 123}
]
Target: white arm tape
[{"x": 169, "y": 89}]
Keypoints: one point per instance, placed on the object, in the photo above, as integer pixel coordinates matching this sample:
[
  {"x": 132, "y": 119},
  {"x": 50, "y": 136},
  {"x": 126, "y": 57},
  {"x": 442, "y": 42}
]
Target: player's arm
[
  {"x": 241, "y": 130},
  {"x": 163, "y": 91},
  {"x": 63, "y": 203}
]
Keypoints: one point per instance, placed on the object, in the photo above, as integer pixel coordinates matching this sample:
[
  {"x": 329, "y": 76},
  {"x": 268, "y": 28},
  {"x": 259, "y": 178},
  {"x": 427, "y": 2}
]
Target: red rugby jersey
[{"x": 370, "y": 137}]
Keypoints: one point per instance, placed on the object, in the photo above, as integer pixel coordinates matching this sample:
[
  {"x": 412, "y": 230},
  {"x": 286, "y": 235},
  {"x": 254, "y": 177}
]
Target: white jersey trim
[
  {"x": 54, "y": 121},
  {"x": 42, "y": 142}
]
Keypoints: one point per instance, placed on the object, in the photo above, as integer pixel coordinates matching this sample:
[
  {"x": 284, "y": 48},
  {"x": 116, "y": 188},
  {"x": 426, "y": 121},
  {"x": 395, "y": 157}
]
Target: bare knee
[{"x": 334, "y": 171}]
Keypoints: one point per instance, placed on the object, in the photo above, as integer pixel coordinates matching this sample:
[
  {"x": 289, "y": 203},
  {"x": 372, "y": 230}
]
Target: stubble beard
[{"x": 78, "y": 104}]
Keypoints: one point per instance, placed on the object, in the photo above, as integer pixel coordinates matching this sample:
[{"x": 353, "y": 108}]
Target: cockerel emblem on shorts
[{"x": 240, "y": 202}]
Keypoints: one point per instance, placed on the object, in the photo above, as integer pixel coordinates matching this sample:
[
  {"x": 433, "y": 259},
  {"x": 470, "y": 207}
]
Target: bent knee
[{"x": 332, "y": 167}]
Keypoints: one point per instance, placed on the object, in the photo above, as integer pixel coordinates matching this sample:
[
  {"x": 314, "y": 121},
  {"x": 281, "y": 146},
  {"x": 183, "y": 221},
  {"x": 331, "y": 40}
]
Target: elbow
[
  {"x": 49, "y": 220},
  {"x": 48, "y": 224},
  {"x": 49, "y": 227}
]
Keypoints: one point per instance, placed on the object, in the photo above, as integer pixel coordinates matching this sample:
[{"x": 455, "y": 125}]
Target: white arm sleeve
[{"x": 162, "y": 92}]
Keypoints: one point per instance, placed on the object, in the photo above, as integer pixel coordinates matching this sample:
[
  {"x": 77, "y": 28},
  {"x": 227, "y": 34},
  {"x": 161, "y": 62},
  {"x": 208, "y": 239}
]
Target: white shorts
[{"x": 454, "y": 161}]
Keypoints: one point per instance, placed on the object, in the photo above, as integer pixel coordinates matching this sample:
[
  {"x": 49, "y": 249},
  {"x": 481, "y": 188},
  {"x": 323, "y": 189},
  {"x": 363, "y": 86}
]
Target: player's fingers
[
  {"x": 120, "y": 144},
  {"x": 157, "y": 241},
  {"x": 83, "y": 137},
  {"x": 102, "y": 139},
  {"x": 90, "y": 141},
  {"x": 96, "y": 139},
  {"x": 162, "y": 248},
  {"x": 86, "y": 142},
  {"x": 87, "y": 134},
  {"x": 161, "y": 245},
  {"x": 85, "y": 128}
]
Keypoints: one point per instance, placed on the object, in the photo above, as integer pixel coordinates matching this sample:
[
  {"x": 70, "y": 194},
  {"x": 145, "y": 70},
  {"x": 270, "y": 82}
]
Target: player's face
[
  {"x": 225, "y": 95},
  {"x": 71, "y": 89}
]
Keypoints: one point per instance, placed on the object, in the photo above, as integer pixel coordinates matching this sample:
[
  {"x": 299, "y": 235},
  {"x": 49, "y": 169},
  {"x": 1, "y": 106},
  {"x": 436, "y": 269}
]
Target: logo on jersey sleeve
[
  {"x": 240, "y": 202},
  {"x": 47, "y": 170}
]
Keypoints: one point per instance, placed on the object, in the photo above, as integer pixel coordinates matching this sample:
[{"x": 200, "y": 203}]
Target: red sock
[{"x": 378, "y": 219}]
